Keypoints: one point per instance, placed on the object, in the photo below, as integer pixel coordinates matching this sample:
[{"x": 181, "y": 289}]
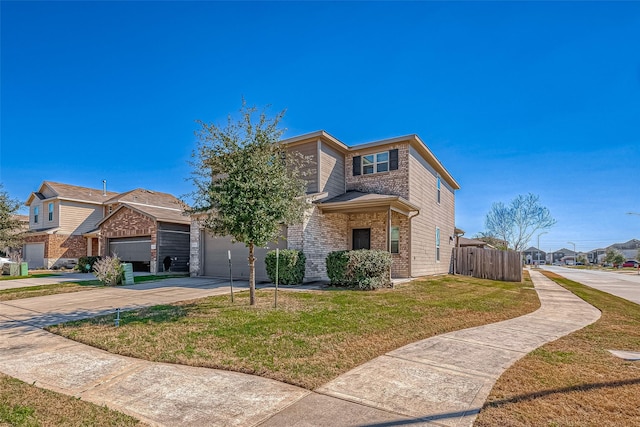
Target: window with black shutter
[
  {"x": 356, "y": 166},
  {"x": 393, "y": 159}
]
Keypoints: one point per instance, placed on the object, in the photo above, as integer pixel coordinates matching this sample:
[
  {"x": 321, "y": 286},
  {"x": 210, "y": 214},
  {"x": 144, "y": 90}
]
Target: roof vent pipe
[{"x": 104, "y": 187}]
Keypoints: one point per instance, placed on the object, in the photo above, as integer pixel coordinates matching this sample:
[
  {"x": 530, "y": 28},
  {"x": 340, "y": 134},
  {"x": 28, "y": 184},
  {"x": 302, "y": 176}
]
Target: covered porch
[{"x": 375, "y": 221}]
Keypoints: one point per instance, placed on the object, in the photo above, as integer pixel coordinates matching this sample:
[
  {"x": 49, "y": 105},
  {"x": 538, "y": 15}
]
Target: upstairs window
[
  {"x": 374, "y": 163},
  {"x": 50, "y": 211},
  {"x": 36, "y": 214},
  {"x": 438, "y": 190}
]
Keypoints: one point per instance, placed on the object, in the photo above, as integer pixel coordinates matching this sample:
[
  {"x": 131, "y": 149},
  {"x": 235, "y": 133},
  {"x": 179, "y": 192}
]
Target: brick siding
[{"x": 129, "y": 223}]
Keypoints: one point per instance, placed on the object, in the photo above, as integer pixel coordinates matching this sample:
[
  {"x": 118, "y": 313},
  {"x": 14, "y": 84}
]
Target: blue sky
[{"x": 512, "y": 97}]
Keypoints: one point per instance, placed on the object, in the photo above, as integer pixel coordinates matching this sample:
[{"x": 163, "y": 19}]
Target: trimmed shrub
[
  {"x": 363, "y": 269},
  {"x": 85, "y": 261},
  {"x": 290, "y": 266}
]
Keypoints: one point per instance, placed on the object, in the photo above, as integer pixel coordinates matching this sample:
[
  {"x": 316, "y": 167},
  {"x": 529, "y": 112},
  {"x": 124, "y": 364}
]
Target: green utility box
[{"x": 24, "y": 269}]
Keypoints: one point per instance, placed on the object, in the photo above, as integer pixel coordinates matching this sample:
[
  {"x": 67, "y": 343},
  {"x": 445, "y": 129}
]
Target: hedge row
[{"x": 290, "y": 266}]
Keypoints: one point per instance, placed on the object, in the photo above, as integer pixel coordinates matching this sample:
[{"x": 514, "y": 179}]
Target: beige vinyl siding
[
  {"x": 78, "y": 218},
  {"x": 310, "y": 151},
  {"x": 32, "y": 208},
  {"x": 423, "y": 192},
  {"x": 47, "y": 192},
  {"x": 331, "y": 171},
  {"x": 55, "y": 222}
]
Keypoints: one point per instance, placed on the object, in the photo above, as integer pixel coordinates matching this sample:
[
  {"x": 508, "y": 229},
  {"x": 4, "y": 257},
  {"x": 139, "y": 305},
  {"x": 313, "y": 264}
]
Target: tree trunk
[{"x": 252, "y": 276}]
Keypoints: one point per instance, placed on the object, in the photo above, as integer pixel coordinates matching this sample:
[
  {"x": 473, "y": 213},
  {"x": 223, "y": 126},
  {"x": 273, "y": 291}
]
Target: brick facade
[
  {"x": 129, "y": 223},
  {"x": 60, "y": 250},
  {"x": 395, "y": 182}
]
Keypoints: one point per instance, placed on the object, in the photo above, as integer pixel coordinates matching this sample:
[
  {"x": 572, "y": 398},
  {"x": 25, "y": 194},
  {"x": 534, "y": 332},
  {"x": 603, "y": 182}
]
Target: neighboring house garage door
[
  {"x": 135, "y": 250},
  {"x": 216, "y": 259},
  {"x": 33, "y": 255}
]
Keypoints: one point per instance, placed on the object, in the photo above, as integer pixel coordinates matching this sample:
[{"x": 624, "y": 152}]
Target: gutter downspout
[{"x": 410, "y": 217}]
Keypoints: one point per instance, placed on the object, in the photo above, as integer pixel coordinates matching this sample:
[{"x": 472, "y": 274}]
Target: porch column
[{"x": 89, "y": 245}]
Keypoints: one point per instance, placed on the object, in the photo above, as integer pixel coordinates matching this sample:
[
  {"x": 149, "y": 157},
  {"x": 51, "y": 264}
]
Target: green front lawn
[{"x": 311, "y": 337}]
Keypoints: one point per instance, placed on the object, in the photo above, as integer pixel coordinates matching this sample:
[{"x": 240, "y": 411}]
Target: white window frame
[
  {"x": 438, "y": 185},
  {"x": 36, "y": 214},
  {"x": 50, "y": 207},
  {"x": 396, "y": 241},
  {"x": 372, "y": 161},
  {"x": 437, "y": 244}
]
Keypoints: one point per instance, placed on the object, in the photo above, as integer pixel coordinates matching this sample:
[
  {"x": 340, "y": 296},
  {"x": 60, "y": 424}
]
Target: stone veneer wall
[
  {"x": 194, "y": 247},
  {"x": 394, "y": 182},
  {"x": 129, "y": 223}
]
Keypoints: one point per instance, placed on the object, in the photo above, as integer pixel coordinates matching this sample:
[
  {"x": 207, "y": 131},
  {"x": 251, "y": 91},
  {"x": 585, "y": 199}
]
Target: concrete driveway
[
  {"x": 49, "y": 280},
  {"x": 625, "y": 286}
]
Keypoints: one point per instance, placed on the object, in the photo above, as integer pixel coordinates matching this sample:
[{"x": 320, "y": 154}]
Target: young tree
[
  {"x": 247, "y": 185},
  {"x": 10, "y": 227},
  {"x": 614, "y": 256},
  {"x": 517, "y": 222}
]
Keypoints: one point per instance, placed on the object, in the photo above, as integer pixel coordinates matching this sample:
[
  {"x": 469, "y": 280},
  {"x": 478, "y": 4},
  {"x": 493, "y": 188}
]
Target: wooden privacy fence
[{"x": 490, "y": 264}]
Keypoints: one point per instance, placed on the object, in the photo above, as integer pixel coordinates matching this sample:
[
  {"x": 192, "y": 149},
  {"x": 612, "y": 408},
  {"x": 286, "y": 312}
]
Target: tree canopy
[
  {"x": 247, "y": 184},
  {"x": 517, "y": 222},
  {"x": 10, "y": 226}
]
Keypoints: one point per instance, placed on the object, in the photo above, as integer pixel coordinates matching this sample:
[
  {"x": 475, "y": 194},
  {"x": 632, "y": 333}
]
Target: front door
[{"x": 361, "y": 238}]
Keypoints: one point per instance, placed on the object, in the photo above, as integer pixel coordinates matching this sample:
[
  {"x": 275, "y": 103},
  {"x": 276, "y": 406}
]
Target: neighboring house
[
  {"x": 59, "y": 215},
  {"x": 562, "y": 256},
  {"x": 596, "y": 256},
  {"x": 141, "y": 226},
  {"x": 532, "y": 255},
  {"x": 628, "y": 249},
  {"x": 464, "y": 242},
  {"x": 392, "y": 195},
  {"x": 145, "y": 228}
]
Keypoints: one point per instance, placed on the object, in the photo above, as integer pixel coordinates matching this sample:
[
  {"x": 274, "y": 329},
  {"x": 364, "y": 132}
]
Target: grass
[
  {"x": 25, "y": 405},
  {"x": 575, "y": 381},
  {"x": 311, "y": 337},
  {"x": 67, "y": 287}
]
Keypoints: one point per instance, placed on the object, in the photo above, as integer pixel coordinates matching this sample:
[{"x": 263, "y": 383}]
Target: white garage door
[
  {"x": 216, "y": 258},
  {"x": 33, "y": 254}
]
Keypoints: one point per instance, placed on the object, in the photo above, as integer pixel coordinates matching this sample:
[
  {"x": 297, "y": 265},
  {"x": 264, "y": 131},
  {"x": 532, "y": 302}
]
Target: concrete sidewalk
[{"x": 443, "y": 380}]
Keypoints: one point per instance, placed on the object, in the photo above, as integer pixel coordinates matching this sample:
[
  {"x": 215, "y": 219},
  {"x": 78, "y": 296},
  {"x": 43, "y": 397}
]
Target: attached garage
[
  {"x": 215, "y": 257},
  {"x": 134, "y": 250},
  {"x": 33, "y": 254}
]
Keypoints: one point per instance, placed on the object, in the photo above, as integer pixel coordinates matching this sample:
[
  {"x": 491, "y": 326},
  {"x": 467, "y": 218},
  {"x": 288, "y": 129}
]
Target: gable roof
[
  {"x": 413, "y": 139},
  {"x": 161, "y": 207},
  {"x": 70, "y": 192}
]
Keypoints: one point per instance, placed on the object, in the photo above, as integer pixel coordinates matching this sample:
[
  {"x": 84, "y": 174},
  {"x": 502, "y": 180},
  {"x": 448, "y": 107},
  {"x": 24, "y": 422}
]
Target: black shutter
[
  {"x": 393, "y": 160},
  {"x": 356, "y": 165}
]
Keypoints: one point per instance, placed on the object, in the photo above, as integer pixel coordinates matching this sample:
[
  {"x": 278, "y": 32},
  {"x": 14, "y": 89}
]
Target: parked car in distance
[{"x": 631, "y": 263}]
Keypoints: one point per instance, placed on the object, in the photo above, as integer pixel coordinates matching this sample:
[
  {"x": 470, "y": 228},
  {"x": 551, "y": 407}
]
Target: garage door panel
[
  {"x": 131, "y": 249},
  {"x": 216, "y": 258},
  {"x": 33, "y": 254}
]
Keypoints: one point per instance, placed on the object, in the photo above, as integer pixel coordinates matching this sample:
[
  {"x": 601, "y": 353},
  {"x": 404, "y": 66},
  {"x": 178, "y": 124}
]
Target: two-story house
[
  {"x": 143, "y": 227},
  {"x": 392, "y": 195},
  {"x": 59, "y": 215}
]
